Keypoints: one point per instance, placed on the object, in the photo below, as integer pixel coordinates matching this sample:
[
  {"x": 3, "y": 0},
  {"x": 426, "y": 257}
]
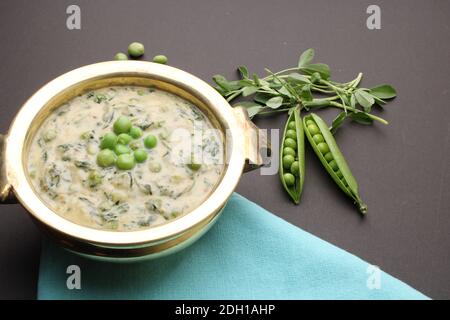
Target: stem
[
  {"x": 356, "y": 81},
  {"x": 337, "y": 89},
  {"x": 274, "y": 111},
  {"x": 321, "y": 90},
  {"x": 280, "y": 72},
  {"x": 375, "y": 118},
  {"x": 319, "y": 103},
  {"x": 234, "y": 95},
  {"x": 352, "y": 83}
]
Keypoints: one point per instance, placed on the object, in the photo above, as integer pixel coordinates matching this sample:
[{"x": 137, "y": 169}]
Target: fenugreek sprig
[{"x": 307, "y": 86}]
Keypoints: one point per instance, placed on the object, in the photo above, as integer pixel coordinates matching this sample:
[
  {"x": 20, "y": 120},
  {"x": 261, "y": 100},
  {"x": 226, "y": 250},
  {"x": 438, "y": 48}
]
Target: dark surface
[{"x": 403, "y": 169}]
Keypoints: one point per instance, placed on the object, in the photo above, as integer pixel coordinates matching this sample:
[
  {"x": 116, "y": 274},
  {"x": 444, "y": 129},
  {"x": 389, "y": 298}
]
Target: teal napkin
[{"x": 249, "y": 254}]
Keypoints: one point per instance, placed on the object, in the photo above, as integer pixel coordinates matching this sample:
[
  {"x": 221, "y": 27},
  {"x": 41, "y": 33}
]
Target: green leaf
[
  {"x": 262, "y": 98},
  {"x": 275, "y": 84},
  {"x": 364, "y": 99},
  {"x": 384, "y": 91},
  {"x": 299, "y": 77},
  {"x": 338, "y": 121},
  {"x": 284, "y": 91},
  {"x": 379, "y": 101},
  {"x": 256, "y": 79},
  {"x": 245, "y": 82},
  {"x": 220, "y": 80},
  {"x": 344, "y": 99},
  {"x": 306, "y": 58},
  {"x": 315, "y": 77},
  {"x": 353, "y": 101},
  {"x": 305, "y": 93},
  {"x": 263, "y": 83},
  {"x": 221, "y": 91},
  {"x": 251, "y": 107},
  {"x": 274, "y": 102},
  {"x": 253, "y": 111},
  {"x": 243, "y": 71},
  {"x": 321, "y": 68},
  {"x": 235, "y": 84},
  {"x": 361, "y": 118},
  {"x": 225, "y": 84},
  {"x": 247, "y": 91}
]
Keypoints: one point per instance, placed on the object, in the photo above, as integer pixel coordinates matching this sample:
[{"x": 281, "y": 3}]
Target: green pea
[
  {"x": 136, "y": 49},
  {"x": 328, "y": 156},
  {"x": 87, "y": 135},
  {"x": 154, "y": 167},
  {"x": 310, "y": 122},
  {"x": 289, "y": 179},
  {"x": 318, "y": 138},
  {"x": 94, "y": 179},
  {"x": 291, "y": 143},
  {"x": 194, "y": 166},
  {"x": 289, "y": 150},
  {"x": 160, "y": 59},
  {"x": 106, "y": 158},
  {"x": 125, "y": 162},
  {"x": 291, "y": 134},
  {"x": 121, "y": 149},
  {"x": 122, "y": 125},
  {"x": 120, "y": 56},
  {"x": 287, "y": 161},
  {"x": 295, "y": 168},
  {"x": 175, "y": 213},
  {"x": 109, "y": 141},
  {"x": 135, "y": 132},
  {"x": 313, "y": 129},
  {"x": 292, "y": 125},
  {"x": 124, "y": 138},
  {"x": 333, "y": 164},
  {"x": 323, "y": 148},
  {"x": 150, "y": 141},
  {"x": 339, "y": 174},
  {"x": 91, "y": 149},
  {"x": 140, "y": 155}
]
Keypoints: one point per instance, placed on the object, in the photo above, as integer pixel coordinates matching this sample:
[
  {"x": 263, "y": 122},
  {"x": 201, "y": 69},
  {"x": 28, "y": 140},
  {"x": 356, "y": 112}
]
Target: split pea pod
[
  {"x": 326, "y": 148},
  {"x": 292, "y": 156}
]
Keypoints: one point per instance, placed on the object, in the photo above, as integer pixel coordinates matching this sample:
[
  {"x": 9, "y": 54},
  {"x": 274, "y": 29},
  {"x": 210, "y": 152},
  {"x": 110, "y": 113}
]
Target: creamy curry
[{"x": 63, "y": 160}]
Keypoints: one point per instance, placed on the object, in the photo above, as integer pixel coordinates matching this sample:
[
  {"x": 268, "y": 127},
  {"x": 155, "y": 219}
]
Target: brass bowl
[{"x": 242, "y": 148}]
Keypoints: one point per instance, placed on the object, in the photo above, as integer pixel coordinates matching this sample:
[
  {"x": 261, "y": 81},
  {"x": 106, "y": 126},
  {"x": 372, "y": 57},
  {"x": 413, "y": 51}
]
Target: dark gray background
[{"x": 403, "y": 169}]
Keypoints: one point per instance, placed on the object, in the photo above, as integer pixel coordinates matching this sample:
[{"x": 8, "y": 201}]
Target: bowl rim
[{"x": 17, "y": 135}]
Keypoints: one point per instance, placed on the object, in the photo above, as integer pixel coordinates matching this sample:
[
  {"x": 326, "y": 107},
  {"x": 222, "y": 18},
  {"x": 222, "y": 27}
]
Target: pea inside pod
[
  {"x": 292, "y": 156},
  {"x": 329, "y": 154}
]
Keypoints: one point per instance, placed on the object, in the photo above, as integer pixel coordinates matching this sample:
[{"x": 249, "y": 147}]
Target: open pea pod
[
  {"x": 327, "y": 150},
  {"x": 292, "y": 156}
]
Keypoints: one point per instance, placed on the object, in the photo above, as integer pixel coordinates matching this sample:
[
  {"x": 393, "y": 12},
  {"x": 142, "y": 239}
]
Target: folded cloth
[{"x": 249, "y": 254}]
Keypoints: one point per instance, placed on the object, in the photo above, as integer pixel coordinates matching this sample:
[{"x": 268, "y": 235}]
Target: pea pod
[
  {"x": 326, "y": 148},
  {"x": 292, "y": 156}
]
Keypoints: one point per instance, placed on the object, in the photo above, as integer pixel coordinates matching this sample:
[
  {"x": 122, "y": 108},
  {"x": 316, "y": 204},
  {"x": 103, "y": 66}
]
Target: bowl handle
[
  {"x": 6, "y": 191},
  {"x": 256, "y": 144}
]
